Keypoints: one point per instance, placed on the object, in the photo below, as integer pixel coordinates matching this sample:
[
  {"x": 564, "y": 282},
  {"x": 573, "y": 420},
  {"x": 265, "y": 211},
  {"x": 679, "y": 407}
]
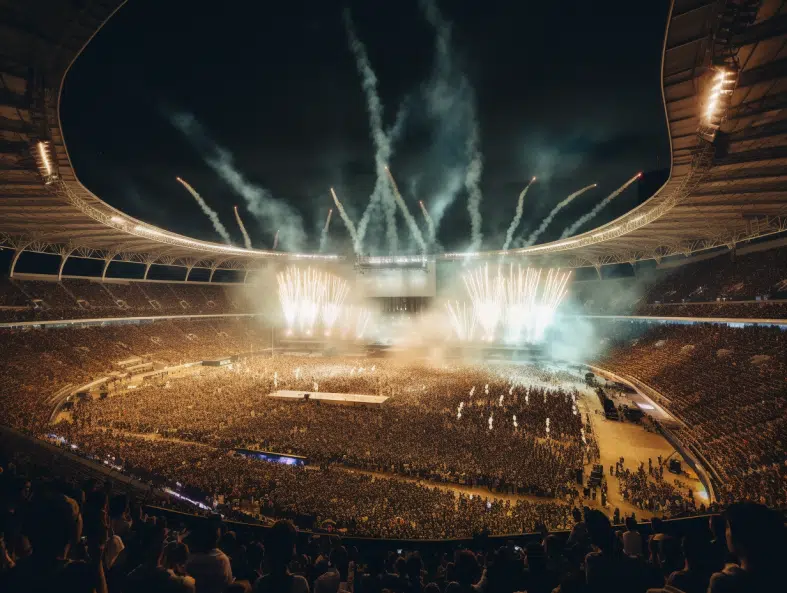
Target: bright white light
[
  {"x": 43, "y": 151},
  {"x": 519, "y": 301}
]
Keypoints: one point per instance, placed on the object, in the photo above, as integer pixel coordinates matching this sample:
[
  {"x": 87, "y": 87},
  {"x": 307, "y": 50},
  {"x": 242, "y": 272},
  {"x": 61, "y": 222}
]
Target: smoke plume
[
  {"x": 347, "y": 222},
  {"x": 324, "y": 233},
  {"x": 570, "y": 230},
  {"x": 517, "y": 215},
  {"x": 209, "y": 212},
  {"x": 271, "y": 213},
  {"x": 406, "y": 213},
  {"x": 429, "y": 223},
  {"x": 451, "y": 104},
  {"x": 246, "y": 238},
  {"x": 381, "y": 194},
  {"x": 545, "y": 223}
]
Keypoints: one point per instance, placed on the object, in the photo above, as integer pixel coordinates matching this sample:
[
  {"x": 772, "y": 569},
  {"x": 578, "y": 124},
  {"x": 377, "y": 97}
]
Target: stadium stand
[
  {"x": 74, "y": 298},
  {"x": 734, "y": 410}
]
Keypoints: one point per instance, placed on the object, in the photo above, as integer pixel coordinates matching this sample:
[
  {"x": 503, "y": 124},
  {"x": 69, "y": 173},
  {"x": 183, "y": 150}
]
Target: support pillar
[
  {"x": 63, "y": 259},
  {"x": 147, "y": 269},
  {"x": 15, "y": 259},
  {"x": 106, "y": 267},
  {"x": 212, "y": 271},
  {"x": 598, "y": 270},
  {"x": 188, "y": 272}
]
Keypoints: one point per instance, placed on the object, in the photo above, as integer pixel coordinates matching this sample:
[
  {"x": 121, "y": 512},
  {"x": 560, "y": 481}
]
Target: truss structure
[{"x": 726, "y": 184}]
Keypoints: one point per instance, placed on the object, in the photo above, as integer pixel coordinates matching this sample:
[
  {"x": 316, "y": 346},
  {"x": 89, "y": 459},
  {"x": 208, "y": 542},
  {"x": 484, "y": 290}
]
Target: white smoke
[
  {"x": 381, "y": 195},
  {"x": 347, "y": 221},
  {"x": 246, "y": 238},
  {"x": 324, "y": 233},
  {"x": 209, "y": 212},
  {"x": 416, "y": 232},
  {"x": 571, "y": 229},
  {"x": 473, "y": 187},
  {"x": 271, "y": 213},
  {"x": 451, "y": 104},
  {"x": 517, "y": 215},
  {"x": 545, "y": 223}
]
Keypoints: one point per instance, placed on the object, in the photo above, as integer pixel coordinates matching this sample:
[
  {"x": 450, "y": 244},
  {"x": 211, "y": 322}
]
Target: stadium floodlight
[
  {"x": 718, "y": 100},
  {"x": 44, "y": 161}
]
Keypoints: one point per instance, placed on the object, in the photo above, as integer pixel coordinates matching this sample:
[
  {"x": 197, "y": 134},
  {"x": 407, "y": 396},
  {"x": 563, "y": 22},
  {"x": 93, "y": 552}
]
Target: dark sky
[{"x": 567, "y": 91}]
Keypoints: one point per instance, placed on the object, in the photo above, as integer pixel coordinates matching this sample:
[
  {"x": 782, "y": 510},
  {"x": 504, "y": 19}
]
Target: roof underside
[{"x": 720, "y": 192}]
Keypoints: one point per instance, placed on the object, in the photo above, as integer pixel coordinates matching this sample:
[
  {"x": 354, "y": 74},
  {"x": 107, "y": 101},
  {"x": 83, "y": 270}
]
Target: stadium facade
[{"x": 723, "y": 81}]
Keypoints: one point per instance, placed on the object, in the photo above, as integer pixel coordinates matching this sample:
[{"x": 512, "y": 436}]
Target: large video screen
[{"x": 397, "y": 282}]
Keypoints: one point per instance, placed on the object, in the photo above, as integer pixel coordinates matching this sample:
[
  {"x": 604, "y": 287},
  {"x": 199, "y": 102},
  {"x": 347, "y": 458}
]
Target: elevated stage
[{"x": 344, "y": 399}]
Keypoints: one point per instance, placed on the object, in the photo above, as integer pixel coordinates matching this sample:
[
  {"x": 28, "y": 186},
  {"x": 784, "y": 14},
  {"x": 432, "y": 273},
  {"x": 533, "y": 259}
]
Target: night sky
[{"x": 566, "y": 91}]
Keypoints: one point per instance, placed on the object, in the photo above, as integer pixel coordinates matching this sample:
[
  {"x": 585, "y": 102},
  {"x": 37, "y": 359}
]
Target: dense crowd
[
  {"x": 735, "y": 409},
  {"x": 721, "y": 309},
  {"x": 73, "y": 298},
  {"x": 85, "y": 536},
  {"x": 37, "y": 364},
  {"x": 735, "y": 278},
  {"x": 514, "y": 428}
]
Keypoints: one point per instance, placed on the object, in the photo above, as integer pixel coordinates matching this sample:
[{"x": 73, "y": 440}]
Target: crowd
[
  {"x": 37, "y": 364},
  {"x": 73, "y": 298},
  {"x": 514, "y": 428},
  {"x": 734, "y": 410},
  {"x": 84, "y": 536},
  {"x": 735, "y": 278}
]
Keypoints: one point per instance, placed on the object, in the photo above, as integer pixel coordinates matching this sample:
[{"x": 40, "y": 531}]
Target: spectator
[
  {"x": 757, "y": 539},
  {"x": 207, "y": 565},
  {"x": 632, "y": 539},
  {"x": 279, "y": 551}
]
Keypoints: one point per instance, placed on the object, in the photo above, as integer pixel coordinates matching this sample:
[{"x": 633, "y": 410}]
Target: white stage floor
[{"x": 347, "y": 399}]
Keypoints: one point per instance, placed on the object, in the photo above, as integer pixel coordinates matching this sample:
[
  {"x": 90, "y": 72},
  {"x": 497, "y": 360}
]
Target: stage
[{"x": 345, "y": 399}]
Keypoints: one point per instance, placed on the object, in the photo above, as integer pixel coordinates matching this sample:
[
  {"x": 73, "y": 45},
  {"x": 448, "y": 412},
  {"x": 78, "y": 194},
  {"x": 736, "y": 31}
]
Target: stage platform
[{"x": 344, "y": 399}]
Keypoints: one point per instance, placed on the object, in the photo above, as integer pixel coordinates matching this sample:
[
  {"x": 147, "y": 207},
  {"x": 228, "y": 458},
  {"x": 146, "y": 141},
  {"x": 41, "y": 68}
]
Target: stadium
[{"x": 476, "y": 418}]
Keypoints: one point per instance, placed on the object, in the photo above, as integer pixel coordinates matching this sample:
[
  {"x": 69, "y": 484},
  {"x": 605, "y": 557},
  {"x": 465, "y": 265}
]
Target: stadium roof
[
  {"x": 724, "y": 83},
  {"x": 43, "y": 206}
]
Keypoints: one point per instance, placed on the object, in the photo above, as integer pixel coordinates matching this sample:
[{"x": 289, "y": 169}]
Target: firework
[
  {"x": 406, "y": 212},
  {"x": 430, "y": 227},
  {"x": 324, "y": 234},
  {"x": 335, "y": 291},
  {"x": 519, "y": 301},
  {"x": 462, "y": 321},
  {"x": 485, "y": 294},
  {"x": 347, "y": 220},
  {"x": 309, "y": 295},
  {"x": 570, "y": 230},
  {"x": 208, "y": 211},
  {"x": 246, "y": 238},
  {"x": 517, "y": 215},
  {"x": 545, "y": 223}
]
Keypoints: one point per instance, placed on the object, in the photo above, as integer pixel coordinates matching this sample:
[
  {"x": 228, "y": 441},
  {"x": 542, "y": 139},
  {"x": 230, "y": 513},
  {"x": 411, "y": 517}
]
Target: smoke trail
[
  {"x": 276, "y": 240},
  {"x": 419, "y": 238},
  {"x": 381, "y": 141},
  {"x": 347, "y": 221},
  {"x": 570, "y": 230},
  {"x": 517, "y": 216},
  {"x": 209, "y": 212},
  {"x": 246, "y": 238},
  {"x": 324, "y": 234},
  {"x": 451, "y": 102},
  {"x": 429, "y": 223},
  {"x": 545, "y": 223},
  {"x": 271, "y": 213},
  {"x": 473, "y": 187}
]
